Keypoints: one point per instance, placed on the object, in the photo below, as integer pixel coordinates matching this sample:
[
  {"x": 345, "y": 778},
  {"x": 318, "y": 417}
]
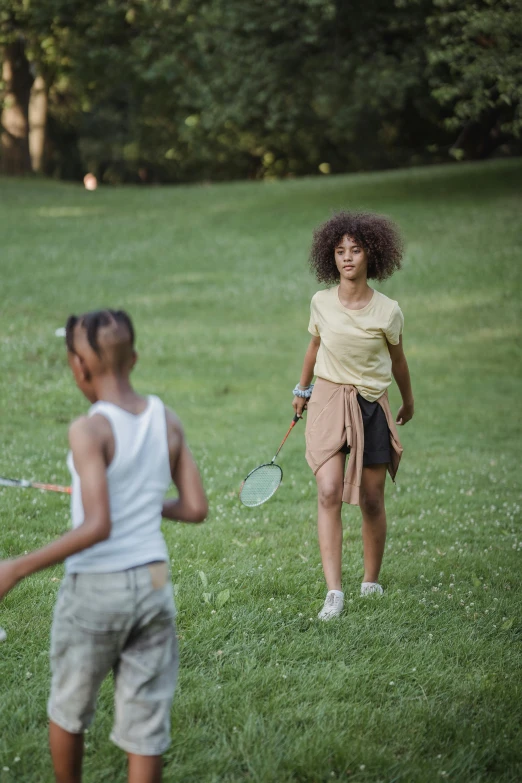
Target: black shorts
[{"x": 377, "y": 450}]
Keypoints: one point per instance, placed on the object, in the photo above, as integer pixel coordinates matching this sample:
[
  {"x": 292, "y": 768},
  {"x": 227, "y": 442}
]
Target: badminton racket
[
  {"x": 24, "y": 484},
  {"x": 263, "y": 481}
]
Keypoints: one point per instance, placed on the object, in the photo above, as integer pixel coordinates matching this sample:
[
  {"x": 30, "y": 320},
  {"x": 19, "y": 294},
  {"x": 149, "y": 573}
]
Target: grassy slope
[{"x": 419, "y": 686}]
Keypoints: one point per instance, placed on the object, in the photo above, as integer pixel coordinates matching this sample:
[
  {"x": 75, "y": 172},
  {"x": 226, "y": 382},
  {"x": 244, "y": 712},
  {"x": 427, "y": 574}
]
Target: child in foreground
[
  {"x": 115, "y": 608},
  {"x": 355, "y": 349}
]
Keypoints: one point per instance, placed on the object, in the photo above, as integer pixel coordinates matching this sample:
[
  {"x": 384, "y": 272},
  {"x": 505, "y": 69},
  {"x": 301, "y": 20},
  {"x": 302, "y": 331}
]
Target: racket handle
[{"x": 292, "y": 425}]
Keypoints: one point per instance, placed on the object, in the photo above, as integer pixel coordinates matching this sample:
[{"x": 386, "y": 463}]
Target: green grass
[{"x": 422, "y": 685}]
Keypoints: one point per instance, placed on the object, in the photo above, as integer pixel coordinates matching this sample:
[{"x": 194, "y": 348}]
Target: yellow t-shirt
[{"x": 354, "y": 346}]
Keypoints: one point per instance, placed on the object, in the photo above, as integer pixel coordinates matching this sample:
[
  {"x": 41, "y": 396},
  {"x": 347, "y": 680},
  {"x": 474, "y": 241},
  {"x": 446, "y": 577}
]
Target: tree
[
  {"x": 26, "y": 46},
  {"x": 177, "y": 90},
  {"x": 15, "y": 114},
  {"x": 474, "y": 69}
]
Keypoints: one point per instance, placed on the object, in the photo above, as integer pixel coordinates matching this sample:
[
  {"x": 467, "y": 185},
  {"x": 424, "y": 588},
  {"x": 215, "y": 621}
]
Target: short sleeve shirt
[{"x": 354, "y": 343}]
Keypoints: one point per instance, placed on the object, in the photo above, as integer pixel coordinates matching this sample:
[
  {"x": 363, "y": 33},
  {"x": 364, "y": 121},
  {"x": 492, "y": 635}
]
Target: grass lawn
[{"x": 421, "y": 685}]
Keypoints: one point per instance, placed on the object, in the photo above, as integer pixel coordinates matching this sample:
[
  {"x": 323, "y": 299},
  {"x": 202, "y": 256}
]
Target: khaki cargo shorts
[{"x": 123, "y": 622}]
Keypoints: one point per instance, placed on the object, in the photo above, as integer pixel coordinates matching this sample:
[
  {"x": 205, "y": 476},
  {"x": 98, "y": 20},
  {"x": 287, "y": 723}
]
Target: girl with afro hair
[{"x": 356, "y": 348}]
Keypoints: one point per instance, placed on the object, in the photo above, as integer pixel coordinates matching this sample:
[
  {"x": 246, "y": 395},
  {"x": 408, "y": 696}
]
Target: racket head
[{"x": 260, "y": 484}]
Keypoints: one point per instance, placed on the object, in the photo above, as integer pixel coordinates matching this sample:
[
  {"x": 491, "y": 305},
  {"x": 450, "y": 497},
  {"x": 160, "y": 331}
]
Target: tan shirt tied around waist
[{"x": 333, "y": 419}]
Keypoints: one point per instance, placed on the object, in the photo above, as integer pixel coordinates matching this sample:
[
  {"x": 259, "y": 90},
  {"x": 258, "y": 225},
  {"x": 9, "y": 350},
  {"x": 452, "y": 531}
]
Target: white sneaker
[
  {"x": 371, "y": 588},
  {"x": 333, "y": 605},
  {"x": 3, "y": 635}
]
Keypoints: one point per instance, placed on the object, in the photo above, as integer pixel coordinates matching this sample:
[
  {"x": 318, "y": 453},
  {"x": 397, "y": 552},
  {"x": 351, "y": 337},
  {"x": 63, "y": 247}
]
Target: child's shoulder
[
  {"x": 88, "y": 429},
  {"x": 173, "y": 420},
  {"x": 81, "y": 426}
]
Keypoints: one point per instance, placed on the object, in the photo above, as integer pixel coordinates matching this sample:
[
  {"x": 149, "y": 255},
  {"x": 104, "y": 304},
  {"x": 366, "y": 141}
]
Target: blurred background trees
[{"x": 159, "y": 90}]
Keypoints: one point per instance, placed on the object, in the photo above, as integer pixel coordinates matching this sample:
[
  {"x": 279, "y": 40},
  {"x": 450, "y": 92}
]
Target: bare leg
[
  {"x": 66, "y": 753},
  {"x": 330, "y": 479},
  {"x": 373, "y": 519},
  {"x": 145, "y": 769}
]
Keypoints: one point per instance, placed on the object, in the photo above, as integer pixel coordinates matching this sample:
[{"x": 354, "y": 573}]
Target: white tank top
[{"x": 138, "y": 478}]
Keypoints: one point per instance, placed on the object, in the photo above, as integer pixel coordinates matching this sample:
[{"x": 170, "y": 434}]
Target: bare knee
[
  {"x": 330, "y": 495},
  {"x": 372, "y": 504}
]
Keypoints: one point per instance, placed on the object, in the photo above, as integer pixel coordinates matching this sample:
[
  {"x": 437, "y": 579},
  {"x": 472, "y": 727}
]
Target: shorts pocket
[{"x": 102, "y": 613}]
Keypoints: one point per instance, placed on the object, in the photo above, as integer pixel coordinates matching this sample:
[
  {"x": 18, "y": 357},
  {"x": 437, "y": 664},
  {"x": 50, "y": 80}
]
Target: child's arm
[
  {"x": 88, "y": 450},
  {"x": 401, "y": 374},
  {"x": 307, "y": 373},
  {"x": 192, "y": 504}
]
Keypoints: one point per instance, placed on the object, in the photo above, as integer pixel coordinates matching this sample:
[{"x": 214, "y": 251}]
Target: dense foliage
[{"x": 163, "y": 90}]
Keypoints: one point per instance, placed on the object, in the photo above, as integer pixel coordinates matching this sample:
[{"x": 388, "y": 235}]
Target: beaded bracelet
[{"x": 306, "y": 393}]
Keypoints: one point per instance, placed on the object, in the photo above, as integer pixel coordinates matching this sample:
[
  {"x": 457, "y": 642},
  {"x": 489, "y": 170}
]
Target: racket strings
[{"x": 260, "y": 484}]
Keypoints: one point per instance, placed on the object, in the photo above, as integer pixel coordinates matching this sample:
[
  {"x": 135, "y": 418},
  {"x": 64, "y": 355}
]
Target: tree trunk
[
  {"x": 37, "y": 123},
  {"x": 15, "y": 158}
]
